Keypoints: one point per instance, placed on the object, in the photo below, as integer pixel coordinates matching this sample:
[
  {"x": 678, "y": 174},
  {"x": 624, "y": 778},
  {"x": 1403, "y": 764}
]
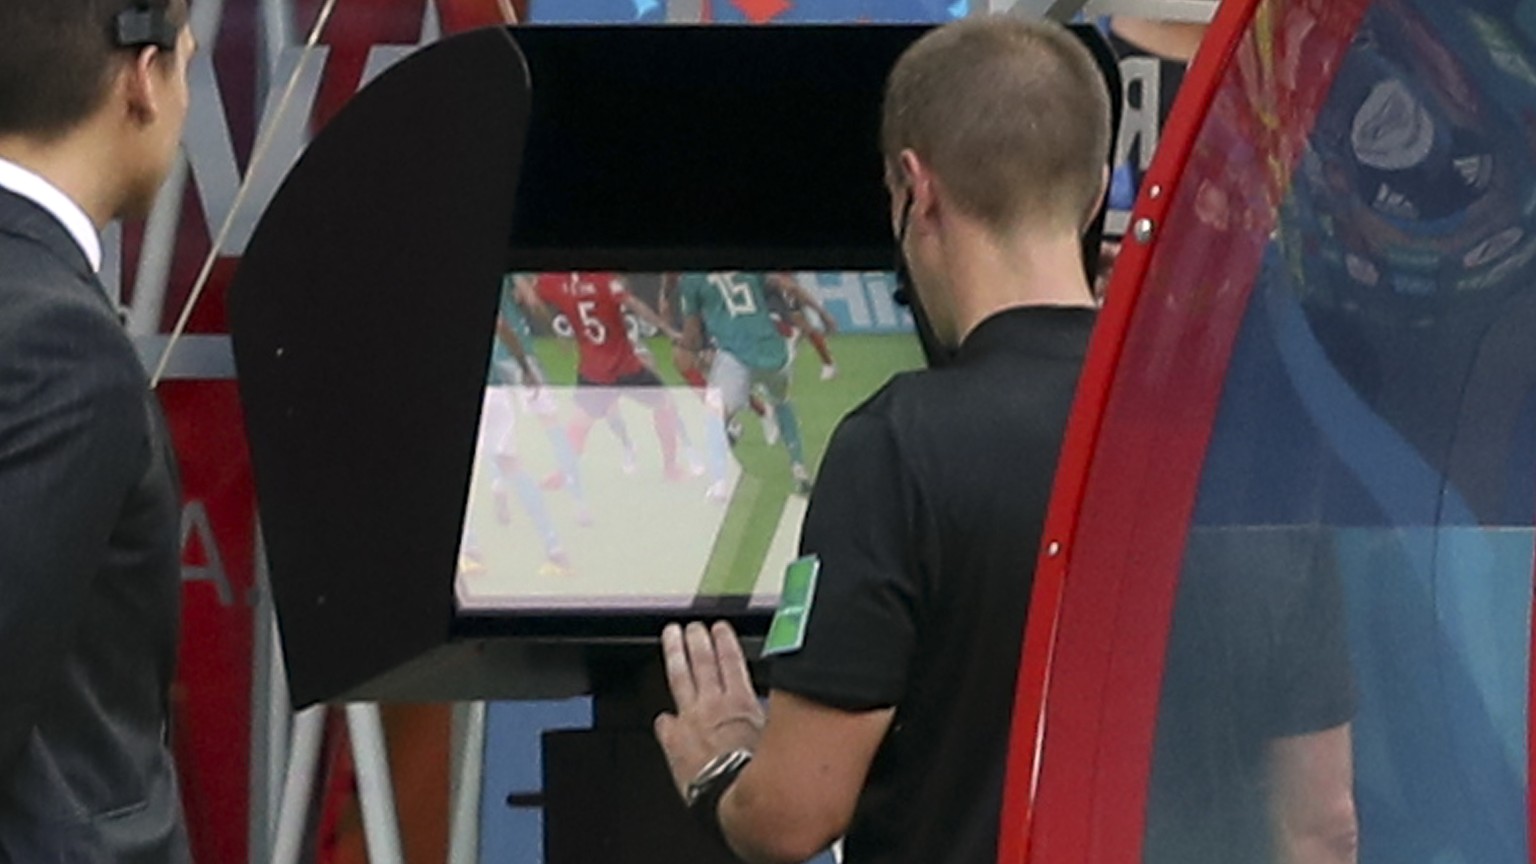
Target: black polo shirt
[
  {"x": 1258, "y": 651},
  {"x": 927, "y": 517}
]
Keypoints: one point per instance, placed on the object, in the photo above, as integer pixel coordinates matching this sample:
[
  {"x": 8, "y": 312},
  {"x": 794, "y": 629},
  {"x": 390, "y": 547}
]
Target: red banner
[{"x": 212, "y": 704}]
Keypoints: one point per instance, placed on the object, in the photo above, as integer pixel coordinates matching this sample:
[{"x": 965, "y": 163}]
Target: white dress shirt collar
[{"x": 39, "y": 191}]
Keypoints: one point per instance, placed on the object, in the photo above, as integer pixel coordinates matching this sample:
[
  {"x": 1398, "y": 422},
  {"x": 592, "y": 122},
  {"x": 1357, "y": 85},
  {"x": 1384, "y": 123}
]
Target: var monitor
[
  {"x": 648, "y": 441},
  {"x": 545, "y": 359}
]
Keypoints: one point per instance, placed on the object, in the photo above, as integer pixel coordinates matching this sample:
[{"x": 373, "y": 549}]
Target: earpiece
[{"x": 144, "y": 25}]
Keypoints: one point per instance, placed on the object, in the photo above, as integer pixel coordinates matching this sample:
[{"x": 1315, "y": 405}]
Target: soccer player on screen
[
  {"x": 513, "y": 373},
  {"x": 692, "y": 365},
  {"x": 513, "y": 364},
  {"x": 497, "y": 450},
  {"x": 594, "y": 304},
  {"x": 787, "y": 303},
  {"x": 733, "y": 308}
]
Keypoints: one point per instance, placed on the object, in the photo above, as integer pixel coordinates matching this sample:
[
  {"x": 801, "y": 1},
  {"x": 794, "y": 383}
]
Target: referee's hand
[{"x": 717, "y": 710}]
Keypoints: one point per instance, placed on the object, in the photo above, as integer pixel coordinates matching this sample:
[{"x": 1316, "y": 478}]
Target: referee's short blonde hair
[{"x": 1012, "y": 116}]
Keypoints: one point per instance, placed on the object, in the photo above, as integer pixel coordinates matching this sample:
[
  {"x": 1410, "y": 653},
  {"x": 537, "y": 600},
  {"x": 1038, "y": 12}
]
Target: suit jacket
[{"x": 89, "y": 568}]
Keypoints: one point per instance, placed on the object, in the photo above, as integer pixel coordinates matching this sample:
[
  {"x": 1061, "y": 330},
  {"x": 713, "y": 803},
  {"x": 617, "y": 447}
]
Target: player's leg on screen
[
  {"x": 599, "y": 402},
  {"x": 681, "y": 359},
  {"x": 691, "y": 367},
  {"x": 565, "y": 457},
  {"x": 532, "y": 499},
  {"x": 497, "y": 433},
  {"x": 596, "y": 403},
  {"x": 620, "y": 430},
  {"x": 497, "y": 451},
  {"x": 684, "y": 443},
  {"x": 818, "y": 341},
  {"x": 765, "y": 413},
  {"x": 776, "y": 385},
  {"x": 542, "y": 405},
  {"x": 730, "y": 387},
  {"x": 688, "y": 366},
  {"x": 650, "y": 392},
  {"x": 575, "y": 436},
  {"x": 668, "y": 425},
  {"x": 685, "y": 440},
  {"x": 716, "y": 446},
  {"x": 509, "y": 472},
  {"x": 536, "y": 399}
]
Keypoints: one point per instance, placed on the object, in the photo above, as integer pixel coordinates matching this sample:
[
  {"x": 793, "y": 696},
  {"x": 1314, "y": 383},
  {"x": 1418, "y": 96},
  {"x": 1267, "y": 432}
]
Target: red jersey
[{"x": 593, "y": 304}]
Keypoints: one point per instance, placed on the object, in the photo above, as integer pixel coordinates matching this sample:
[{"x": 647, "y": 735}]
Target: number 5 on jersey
[{"x": 597, "y": 332}]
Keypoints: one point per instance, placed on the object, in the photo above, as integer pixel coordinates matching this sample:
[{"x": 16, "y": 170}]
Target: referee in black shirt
[{"x": 890, "y": 724}]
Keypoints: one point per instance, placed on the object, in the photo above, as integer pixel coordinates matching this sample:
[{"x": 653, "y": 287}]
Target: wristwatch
[{"x": 708, "y": 786}]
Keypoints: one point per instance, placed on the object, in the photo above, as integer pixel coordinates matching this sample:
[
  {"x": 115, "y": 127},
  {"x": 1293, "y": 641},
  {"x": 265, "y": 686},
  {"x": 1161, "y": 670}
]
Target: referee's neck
[{"x": 987, "y": 277}]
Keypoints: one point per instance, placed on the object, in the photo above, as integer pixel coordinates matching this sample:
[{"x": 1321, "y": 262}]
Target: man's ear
[
  {"x": 141, "y": 80},
  {"x": 1098, "y": 201},
  {"x": 921, "y": 186}
]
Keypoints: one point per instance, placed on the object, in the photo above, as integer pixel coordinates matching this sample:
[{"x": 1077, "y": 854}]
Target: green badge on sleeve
[{"x": 786, "y": 634}]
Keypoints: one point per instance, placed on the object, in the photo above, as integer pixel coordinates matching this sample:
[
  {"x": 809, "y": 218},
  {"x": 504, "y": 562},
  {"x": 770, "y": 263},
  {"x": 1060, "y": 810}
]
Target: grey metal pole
[
  {"x": 375, "y": 791},
  {"x": 271, "y": 716},
  {"x": 299, "y": 785},
  {"x": 468, "y": 782}
]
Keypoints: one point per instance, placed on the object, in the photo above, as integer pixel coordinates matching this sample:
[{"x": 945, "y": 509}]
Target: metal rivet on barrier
[{"x": 1144, "y": 229}]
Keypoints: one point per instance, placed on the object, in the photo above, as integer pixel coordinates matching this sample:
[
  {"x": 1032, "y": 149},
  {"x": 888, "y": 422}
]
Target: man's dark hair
[{"x": 57, "y": 56}]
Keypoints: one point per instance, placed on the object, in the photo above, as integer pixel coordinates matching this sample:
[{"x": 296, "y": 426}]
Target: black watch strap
[{"x": 706, "y": 790}]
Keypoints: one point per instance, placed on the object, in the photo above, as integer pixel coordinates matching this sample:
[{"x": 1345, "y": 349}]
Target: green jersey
[
  {"x": 734, "y": 309},
  {"x": 504, "y": 368}
]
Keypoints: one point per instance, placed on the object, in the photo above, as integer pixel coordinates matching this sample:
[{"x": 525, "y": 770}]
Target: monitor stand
[{"x": 608, "y": 795}]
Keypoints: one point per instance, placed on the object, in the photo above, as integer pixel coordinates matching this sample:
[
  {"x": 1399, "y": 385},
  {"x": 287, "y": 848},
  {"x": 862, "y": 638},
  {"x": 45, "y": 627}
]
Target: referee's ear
[
  {"x": 1098, "y": 203},
  {"x": 919, "y": 181}
]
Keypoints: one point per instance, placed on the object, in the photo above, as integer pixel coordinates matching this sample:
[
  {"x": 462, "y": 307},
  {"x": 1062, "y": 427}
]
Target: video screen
[{"x": 648, "y": 441}]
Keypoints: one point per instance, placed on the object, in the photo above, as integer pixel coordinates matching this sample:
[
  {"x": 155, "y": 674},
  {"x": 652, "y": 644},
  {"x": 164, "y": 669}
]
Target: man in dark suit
[{"x": 93, "y": 96}]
